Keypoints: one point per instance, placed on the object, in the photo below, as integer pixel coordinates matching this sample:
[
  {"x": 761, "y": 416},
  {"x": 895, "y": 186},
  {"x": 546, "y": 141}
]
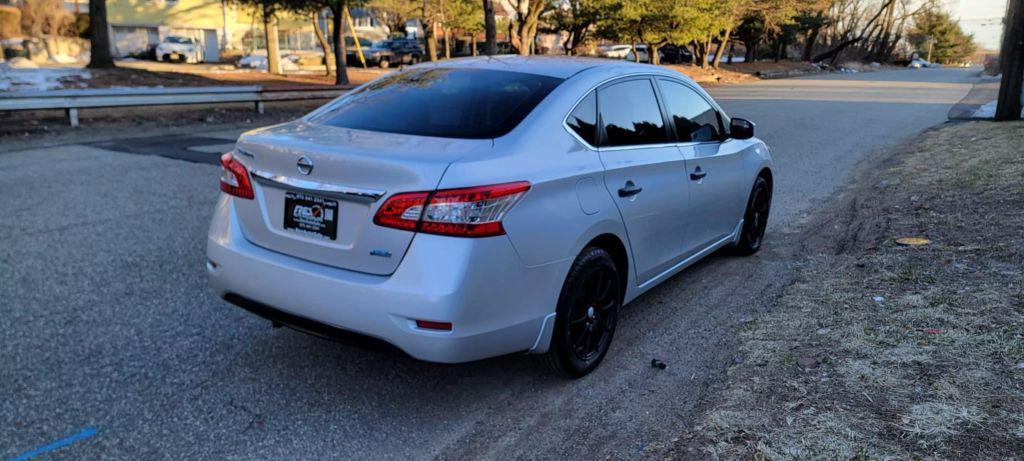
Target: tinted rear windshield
[{"x": 448, "y": 103}]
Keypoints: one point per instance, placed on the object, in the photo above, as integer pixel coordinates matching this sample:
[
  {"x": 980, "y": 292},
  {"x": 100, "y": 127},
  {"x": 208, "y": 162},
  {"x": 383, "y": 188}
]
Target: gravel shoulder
[{"x": 878, "y": 350}]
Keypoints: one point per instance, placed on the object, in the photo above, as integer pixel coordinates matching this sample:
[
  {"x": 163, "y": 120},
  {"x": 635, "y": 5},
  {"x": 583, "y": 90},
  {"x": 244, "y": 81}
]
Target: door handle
[
  {"x": 698, "y": 174},
  {"x": 629, "y": 190}
]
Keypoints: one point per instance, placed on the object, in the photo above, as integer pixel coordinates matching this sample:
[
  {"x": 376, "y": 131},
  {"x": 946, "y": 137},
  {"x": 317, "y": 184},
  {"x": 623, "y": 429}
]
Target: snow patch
[
  {"x": 989, "y": 111},
  {"x": 20, "y": 74}
]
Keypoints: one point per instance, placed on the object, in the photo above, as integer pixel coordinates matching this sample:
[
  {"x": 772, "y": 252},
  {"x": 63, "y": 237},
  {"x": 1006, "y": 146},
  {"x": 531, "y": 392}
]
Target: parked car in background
[
  {"x": 476, "y": 207},
  {"x": 667, "y": 54},
  {"x": 176, "y": 48},
  {"x": 918, "y": 63},
  {"x": 674, "y": 54},
  {"x": 387, "y": 53},
  {"x": 614, "y": 51}
]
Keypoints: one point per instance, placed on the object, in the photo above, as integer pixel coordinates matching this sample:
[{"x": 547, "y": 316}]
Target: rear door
[
  {"x": 644, "y": 172},
  {"x": 715, "y": 165}
]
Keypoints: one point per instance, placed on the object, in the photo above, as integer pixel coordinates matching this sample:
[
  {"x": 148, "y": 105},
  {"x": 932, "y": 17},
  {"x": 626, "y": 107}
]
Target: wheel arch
[{"x": 620, "y": 255}]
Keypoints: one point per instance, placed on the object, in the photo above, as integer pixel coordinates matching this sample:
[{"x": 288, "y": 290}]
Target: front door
[
  {"x": 644, "y": 172},
  {"x": 714, "y": 166}
]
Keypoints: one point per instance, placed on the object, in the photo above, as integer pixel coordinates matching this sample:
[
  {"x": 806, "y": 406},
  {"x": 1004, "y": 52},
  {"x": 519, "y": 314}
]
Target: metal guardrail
[{"x": 73, "y": 100}]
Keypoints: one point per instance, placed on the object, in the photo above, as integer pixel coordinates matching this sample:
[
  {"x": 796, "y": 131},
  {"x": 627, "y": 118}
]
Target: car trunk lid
[{"x": 350, "y": 174}]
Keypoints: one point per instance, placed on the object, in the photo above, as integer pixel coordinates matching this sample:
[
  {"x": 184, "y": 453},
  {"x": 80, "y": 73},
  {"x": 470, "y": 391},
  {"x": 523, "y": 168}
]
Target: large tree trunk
[
  {"x": 324, "y": 45},
  {"x": 270, "y": 32},
  {"x": 99, "y": 36},
  {"x": 338, "y": 36},
  {"x": 490, "y": 29},
  {"x": 722, "y": 46},
  {"x": 527, "y": 26},
  {"x": 1011, "y": 62},
  {"x": 473, "y": 44},
  {"x": 652, "y": 50}
]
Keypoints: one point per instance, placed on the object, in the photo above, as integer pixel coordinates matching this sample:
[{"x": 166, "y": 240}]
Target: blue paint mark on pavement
[{"x": 84, "y": 434}]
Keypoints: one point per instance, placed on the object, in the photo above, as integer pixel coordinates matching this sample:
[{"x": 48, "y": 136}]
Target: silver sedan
[{"x": 478, "y": 207}]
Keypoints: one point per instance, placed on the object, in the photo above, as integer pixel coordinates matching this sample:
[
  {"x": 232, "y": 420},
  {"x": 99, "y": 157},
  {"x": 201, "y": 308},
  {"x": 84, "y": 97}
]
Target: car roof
[{"x": 551, "y": 66}]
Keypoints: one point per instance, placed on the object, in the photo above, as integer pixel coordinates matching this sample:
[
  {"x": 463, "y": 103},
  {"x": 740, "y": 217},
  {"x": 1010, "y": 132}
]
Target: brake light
[
  {"x": 464, "y": 212},
  {"x": 234, "y": 180}
]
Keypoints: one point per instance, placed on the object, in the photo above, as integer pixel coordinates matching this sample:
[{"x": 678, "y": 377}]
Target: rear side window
[
  {"x": 630, "y": 114},
  {"x": 694, "y": 119},
  {"x": 583, "y": 120},
  {"x": 448, "y": 103}
]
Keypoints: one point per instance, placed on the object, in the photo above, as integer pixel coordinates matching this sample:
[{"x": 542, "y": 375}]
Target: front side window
[
  {"x": 583, "y": 119},
  {"x": 694, "y": 119},
  {"x": 441, "y": 102},
  {"x": 630, "y": 114}
]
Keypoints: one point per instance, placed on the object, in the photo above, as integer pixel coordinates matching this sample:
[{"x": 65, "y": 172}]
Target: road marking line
[{"x": 84, "y": 434}]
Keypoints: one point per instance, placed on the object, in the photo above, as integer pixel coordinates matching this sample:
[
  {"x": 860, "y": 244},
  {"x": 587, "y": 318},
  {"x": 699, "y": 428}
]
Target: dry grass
[{"x": 881, "y": 351}]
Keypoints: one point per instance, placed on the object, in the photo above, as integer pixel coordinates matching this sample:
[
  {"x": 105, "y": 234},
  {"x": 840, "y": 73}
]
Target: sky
[{"x": 983, "y": 18}]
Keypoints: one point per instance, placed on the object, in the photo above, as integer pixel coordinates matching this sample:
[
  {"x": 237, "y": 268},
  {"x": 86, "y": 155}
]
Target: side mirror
[{"x": 741, "y": 129}]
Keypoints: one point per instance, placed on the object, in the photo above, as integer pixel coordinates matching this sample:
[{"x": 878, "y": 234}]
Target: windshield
[
  {"x": 449, "y": 103},
  {"x": 181, "y": 40}
]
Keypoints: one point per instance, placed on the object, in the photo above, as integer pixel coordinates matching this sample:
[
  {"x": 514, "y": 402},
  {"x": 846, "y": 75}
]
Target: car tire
[
  {"x": 755, "y": 218},
  {"x": 414, "y": 60},
  {"x": 586, "y": 315},
  {"x": 384, "y": 63}
]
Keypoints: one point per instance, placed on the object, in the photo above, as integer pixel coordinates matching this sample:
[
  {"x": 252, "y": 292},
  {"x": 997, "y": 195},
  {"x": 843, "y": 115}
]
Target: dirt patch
[
  {"x": 744, "y": 71},
  {"x": 880, "y": 350}
]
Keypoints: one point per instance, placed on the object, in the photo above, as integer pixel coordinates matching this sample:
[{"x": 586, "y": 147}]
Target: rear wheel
[
  {"x": 384, "y": 63},
  {"x": 587, "y": 313},
  {"x": 755, "y": 219}
]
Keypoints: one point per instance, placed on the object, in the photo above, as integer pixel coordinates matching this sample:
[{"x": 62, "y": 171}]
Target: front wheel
[
  {"x": 586, "y": 316},
  {"x": 755, "y": 218},
  {"x": 384, "y": 64}
]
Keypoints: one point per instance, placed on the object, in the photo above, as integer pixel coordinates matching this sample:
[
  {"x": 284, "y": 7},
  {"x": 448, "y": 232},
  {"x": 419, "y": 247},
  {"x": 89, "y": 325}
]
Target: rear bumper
[{"x": 495, "y": 304}]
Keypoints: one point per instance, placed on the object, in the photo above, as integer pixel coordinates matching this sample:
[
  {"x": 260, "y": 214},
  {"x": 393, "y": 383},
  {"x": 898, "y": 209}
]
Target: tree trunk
[
  {"x": 473, "y": 44},
  {"x": 324, "y": 45},
  {"x": 338, "y": 34},
  {"x": 490, "y": 29},
  {"x": 812, "y": 38},
  {"x": 652, "y": 50},
  {"x": 1011, "y": 62},
  {"x": 99, "y": 36},
  {"x": 636, "y": 52},
  {"x": 428, "y": 33},
  {"x": 751, "y": 54},
  {"x": 270, "y": 32},
  {"x": 447, "y": 43},
  {"x": 721, "y": 48},
  {"x": 704, "y": 55}
]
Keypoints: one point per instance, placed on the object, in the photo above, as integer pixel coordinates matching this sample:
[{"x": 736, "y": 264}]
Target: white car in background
[
  {"x": 614, "y": 51},
  {"x": 176, "y": 48}
]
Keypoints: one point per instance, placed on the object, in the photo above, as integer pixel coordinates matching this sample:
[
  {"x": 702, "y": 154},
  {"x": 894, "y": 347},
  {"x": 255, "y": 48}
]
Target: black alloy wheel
[
  {"x": 755, "y": 219},
  {"x": 588, "y": 312}
]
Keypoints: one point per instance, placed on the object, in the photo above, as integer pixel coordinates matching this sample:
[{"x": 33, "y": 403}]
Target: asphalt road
[{"x": 107, "y": 325}]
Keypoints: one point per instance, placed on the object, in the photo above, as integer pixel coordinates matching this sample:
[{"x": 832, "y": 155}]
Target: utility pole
[{"x": 1011, "y": 61}]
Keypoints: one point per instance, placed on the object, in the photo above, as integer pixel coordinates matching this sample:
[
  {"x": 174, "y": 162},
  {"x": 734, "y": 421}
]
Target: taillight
[
  {"x": 466, "y": 212},
  {"x": 234, "y": 180}
]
